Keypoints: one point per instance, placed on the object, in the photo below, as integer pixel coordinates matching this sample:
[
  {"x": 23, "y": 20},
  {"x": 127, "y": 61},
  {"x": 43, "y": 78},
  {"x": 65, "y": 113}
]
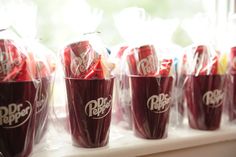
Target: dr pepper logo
[
  {"x": 213, "y": 98},
  {"x": 97, "y": 109},
  {"x": 79, "y": 64},
  {"x": 15, "y": 114},
  {"x": 7, "y": 62},
  {"x": 146, "y": 66},
  {"x": 159, "y": 103}
]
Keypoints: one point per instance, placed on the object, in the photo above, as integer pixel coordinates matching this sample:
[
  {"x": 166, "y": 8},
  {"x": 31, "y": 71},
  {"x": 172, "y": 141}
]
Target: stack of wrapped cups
[
  {"x": 122, "y": 100},
  {"x": 45, "y": 65}
]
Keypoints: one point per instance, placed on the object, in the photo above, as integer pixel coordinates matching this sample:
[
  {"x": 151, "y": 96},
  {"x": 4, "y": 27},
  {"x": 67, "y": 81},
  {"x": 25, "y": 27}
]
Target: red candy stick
[
  {"x": 201, "y": 60},
  {"x": 165, "y": 67},
  {"x": 214, "y": 67},
  {"x": 96, "y": 72},
  {"x": 132, "y": 63}
]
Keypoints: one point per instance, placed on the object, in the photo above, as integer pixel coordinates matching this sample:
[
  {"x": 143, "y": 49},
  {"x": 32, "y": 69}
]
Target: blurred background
[
  {"x": 56, "y": 22},
  {"x": 163, "y": 22}
]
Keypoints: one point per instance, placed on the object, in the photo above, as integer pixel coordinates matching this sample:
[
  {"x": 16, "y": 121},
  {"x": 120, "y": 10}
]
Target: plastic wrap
[
  {"x": 205, "y": 81},
  {"x": 178, "y": 101},
  {"x": 142, "y": 34},
  {"x": 231, "y": 87},
  {"x": 27, "y": 76},
  {"x": 204, "y": 89},
  {"x": 43, "y": 59},
  {"x": 230, "y": 50},
  {"x": 175, "y": 53},
  {"x": 89, "y": 85},
  {"x": 45, "y": 65},
  {"x": 18, "y": 94},
  {"x": 122, "y": 99}
]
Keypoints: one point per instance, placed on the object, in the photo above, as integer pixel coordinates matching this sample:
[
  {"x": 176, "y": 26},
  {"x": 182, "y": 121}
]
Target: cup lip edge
[
  {"x": 138, "y": 76},
  {"x": 97, "y": 79},
  {"x": 26, "y": 81},
  {"x": 192, "y": 75}
]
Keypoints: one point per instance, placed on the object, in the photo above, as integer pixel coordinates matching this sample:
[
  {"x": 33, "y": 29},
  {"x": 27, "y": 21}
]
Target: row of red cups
[
  {"x": 216, "y": 75},
  {"x": 89, "y": 85},
  {"x": 231, "y": 86},
  {"x": 90, "y": 108},
  {"x": 203, "y": 84},
  {"x": 151, "y": 83},
  {"x": 25, "y": 91}
]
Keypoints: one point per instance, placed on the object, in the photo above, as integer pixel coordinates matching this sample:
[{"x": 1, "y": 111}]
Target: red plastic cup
[
  {"x": 17, "y": 118},
  {"x": 151, "y": 99},
  {"x": 89, "y": 107},
  {"x": 231, "y": 101},
  {"x": 231, "y": 86},
  {"x": 42, "y": 108},
  {"x": 205, "y": 98}
]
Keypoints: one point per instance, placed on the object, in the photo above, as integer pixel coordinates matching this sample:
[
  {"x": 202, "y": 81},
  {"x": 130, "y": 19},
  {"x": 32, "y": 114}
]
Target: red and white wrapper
[
  {"x": 15, "y": 64},
  {"x": 144, "y": 61},
  {"x": 81, "y": 60}
]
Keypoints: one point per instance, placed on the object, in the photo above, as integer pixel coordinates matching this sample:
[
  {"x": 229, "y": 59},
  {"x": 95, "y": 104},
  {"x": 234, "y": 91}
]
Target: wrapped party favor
[{"x": 89, "y": 85}]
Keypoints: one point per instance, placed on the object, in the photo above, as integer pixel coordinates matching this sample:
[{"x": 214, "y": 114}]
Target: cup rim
[
  {"x": 192, "y": 75},
  {"x": 97, "y": 79},
  {"x": 26, "y": 81},
  {"x": 138, "y": 76}
]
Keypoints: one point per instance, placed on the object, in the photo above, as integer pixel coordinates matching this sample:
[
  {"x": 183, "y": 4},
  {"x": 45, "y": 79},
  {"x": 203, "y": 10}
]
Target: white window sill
[{"x": 180, "y": 142}]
